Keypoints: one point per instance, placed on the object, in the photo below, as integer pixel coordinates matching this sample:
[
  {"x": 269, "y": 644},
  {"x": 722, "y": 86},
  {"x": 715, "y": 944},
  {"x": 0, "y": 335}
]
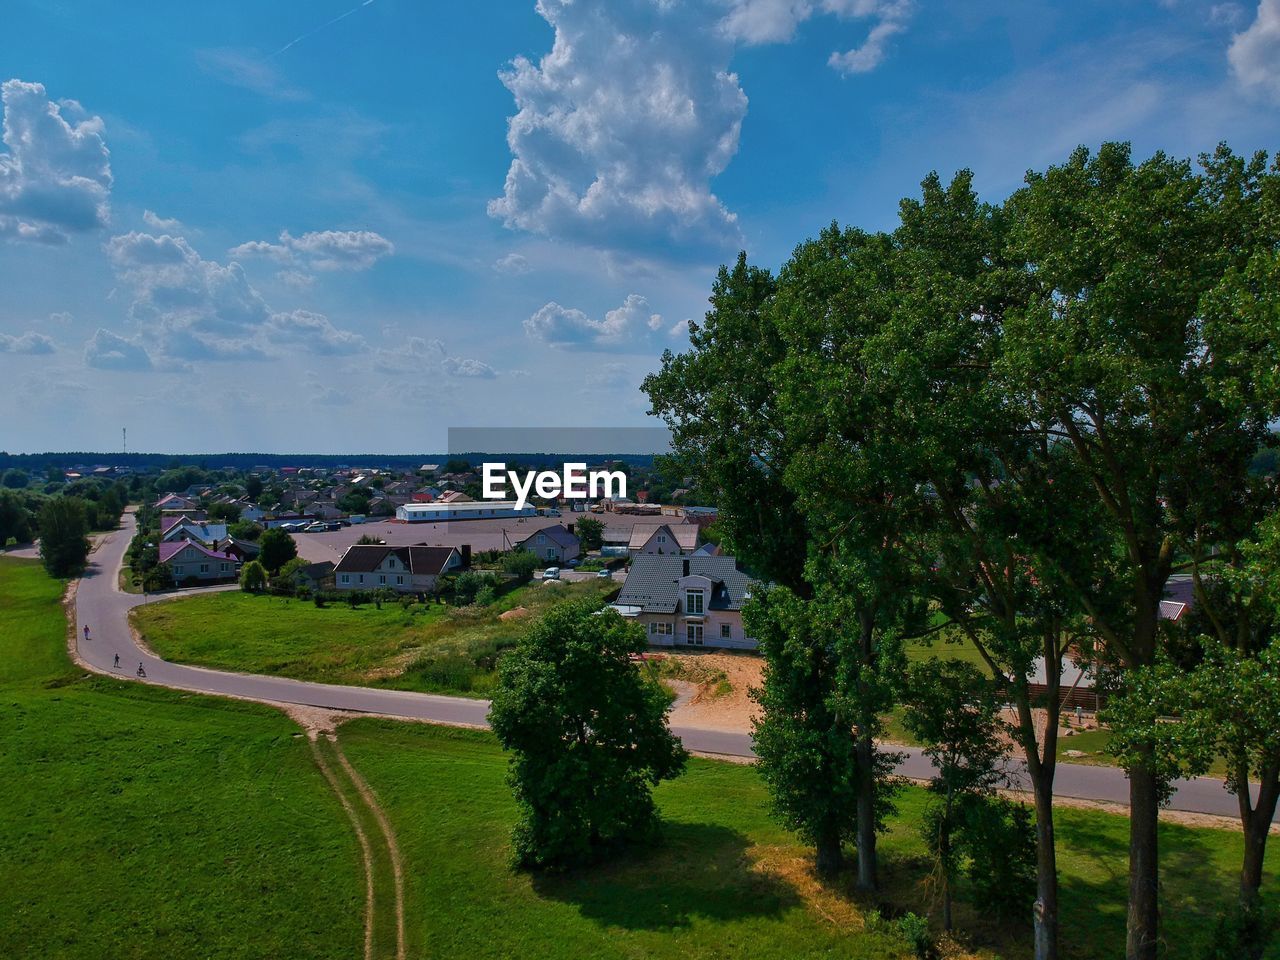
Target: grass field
[
  {"x": 427, "y": 647},
  {"x": 728, "y": 882},
  {"x": 138, "y": 823}
]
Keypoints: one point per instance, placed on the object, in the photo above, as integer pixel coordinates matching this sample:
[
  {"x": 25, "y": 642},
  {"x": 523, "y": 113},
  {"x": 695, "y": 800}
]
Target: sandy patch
[
  {"x": 707, "y": 706},
  {"x": 515, "y": 613}
]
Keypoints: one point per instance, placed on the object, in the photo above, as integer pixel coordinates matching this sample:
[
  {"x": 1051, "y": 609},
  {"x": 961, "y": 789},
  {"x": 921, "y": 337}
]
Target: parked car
[
  {"x": 551, "y": 573},
  {"x": 332, "y": 525},
  {"x": 316, "y": 527},
  {"x": 604, "y": 574},
  {"x": 344, "y": 523},
  {"x": 574, "y": 562}
]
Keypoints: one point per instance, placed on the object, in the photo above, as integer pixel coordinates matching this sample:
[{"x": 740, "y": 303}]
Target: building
[
  {"x": 192, "y": 562},
  {"x": 242, "y": 550},
  {"x": 554, "y": 544},
  {"x": 442, "y": 511},
  {"x": 317, "y": 576},
  {"x": 207, "y": 533},
  {"x": 687, "y": 601},
  {"x": 175, "y": 502},
  {"x": 415, "y": 569},
  {"x": 663, "y": 539}
]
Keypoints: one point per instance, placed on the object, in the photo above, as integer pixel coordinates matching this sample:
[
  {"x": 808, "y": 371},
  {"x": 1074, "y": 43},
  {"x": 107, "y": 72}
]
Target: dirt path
[{"x": 366, "y": 851}]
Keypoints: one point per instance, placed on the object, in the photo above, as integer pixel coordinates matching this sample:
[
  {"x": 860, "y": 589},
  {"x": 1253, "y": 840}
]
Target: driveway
[{"x": 101, "y": 605}]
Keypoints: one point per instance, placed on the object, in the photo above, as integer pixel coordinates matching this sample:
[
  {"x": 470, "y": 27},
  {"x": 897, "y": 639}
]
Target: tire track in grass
[
  {"x": 366, "y": 851},
  {"x": 389, "y": 836}
]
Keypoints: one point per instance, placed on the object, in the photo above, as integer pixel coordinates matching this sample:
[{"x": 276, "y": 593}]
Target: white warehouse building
[{"x": 466, "y": 510}]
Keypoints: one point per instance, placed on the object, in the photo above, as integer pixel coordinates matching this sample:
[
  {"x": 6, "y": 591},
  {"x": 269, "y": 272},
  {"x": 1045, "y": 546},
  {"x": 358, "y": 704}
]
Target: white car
[{"x": 551, "y": 573}]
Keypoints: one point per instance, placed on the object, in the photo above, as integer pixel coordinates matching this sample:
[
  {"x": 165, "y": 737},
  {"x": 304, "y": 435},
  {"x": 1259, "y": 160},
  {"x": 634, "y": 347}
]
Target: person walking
[
  {"x": 142, "y": 671},
  {"x": 116, "y": 665},
  {"x": 86, "y": 631}
]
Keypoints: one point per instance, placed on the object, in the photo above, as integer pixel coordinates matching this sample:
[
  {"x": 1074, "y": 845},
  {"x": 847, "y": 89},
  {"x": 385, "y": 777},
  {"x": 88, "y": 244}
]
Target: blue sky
[{"x": 337, "y": 226}]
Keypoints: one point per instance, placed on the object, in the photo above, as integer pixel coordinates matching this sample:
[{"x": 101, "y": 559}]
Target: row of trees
[{"x": 1016, "y": 421}]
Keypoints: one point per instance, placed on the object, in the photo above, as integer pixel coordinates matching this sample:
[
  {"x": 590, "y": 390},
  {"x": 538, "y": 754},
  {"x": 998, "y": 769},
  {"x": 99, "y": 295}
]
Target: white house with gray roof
[{"x": 687, "y": 601}]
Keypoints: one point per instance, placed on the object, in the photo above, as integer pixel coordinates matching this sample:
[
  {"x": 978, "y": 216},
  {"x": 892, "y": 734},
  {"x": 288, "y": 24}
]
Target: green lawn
[
  {"x": 135, "y": 822},
  {"x": 426, "y": 647},
  {"x": 727, "y": 882}
]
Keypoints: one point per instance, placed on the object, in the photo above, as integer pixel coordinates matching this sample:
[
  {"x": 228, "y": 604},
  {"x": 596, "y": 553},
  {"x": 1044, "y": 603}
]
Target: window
[
  {"x": 226, "y": 567},
  {"x": 204, "y": 568},
  {"x": 391, "y": 563},
  {"x": 399, "y": 580},
  {"x": 693, "y": 602},
  {"x": 346, "y": 578},
  {"x": 362, "y": 578},
  {"x": 382, "y": 578},
  {"x": 178, "y": 571},
  {"x": 660, "y": 629},
  {"x": 551, "y": 553},
  {"x": 693, "y": 634},
  {"x": 726, "y": 632}
]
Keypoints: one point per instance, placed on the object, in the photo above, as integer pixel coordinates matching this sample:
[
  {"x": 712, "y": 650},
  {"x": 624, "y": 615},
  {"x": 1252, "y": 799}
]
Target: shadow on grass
[{"x": 699, "y": 870}]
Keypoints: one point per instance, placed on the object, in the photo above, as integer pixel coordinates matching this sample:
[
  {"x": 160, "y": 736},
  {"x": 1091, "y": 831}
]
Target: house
[
  {"x": 415, "y": 569},
  {"x": 663, "y": 539},
  {"x": 207, "y": 533},
  {"x": 687, "y": 601},
  {"x": 442, "y": 510},
  {"x": 317, "y": 576},
  {"x": 194, "y": 562},
  {"x": 175, "y": 502},
  {"x": 250, "y": 511},
  {"x": 554, "y": 544},
  {"x": 242, "y": 550}
]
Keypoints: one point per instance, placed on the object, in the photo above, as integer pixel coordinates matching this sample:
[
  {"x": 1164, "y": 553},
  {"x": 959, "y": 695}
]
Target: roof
[
  {"x": 419, "y": 559},
  {"x": 653, "y": 584},
  {"x": 171, "y": 549},
  {"x": 1179, "y": 598},
  {"x": 316, "y": 571},
  {"x": 204, "y": 532},
  {"x": 556, "y": 534},
  {"x": 684, "y": 534}
]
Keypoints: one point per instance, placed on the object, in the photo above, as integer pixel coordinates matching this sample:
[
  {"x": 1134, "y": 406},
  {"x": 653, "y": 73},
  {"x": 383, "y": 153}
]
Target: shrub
[{"x": 253, "y": 577}]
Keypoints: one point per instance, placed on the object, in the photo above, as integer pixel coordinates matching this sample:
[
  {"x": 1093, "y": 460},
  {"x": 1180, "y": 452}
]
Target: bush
[
  {"x": 1000, "y": 841},
  {"x": 1243, "y": 932},
  {"x": 253, "y": 577},
  {"x": 915, "y": 930}
]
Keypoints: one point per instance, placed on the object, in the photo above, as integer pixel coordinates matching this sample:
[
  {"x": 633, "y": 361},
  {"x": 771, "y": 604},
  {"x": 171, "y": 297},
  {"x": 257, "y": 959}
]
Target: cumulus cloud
[
  {"x": 620, "y": 129},
  {"x": 323, "y": 250},
  {"x": 198, "y": 309},
  {"x": 892, "y": 20},
  {"x": 680, "y": 329},
  {"x": 29, "y": 343},
  {"x": 512, "y": 263},
  {"x": 573, "y": 330},
  {"x": 157, "y": 222},
  {"x": 314, "y": 331},
  {"x": 413, "y": 355},
  {"x": 55, "y": 178},
  {"x": 465, "y": 367},
  {"x": 1254, "y": 54},
  {"x": 110, "y": 351}
]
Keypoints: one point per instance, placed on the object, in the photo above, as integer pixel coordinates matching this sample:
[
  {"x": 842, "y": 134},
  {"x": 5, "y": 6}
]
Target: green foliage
[
  {"x": 245, "y": 530},
  {"x": 590, "y": 532},
  {"x": 253, "y": 577},
  {"x": 64, "y": 540},
  {"x": 1243, "y": 932},
  {"x": 227, "y": 513},
  {"x": 15, "y": 518},
  {"x": 998, "y": 839},
  {"x": 253, "y": 487},
  {"x": 288, "y": 573},
  {"x": 278, "y": 549},
  {"x": 587, "y": 735},
  {"x": 520, "y": 563},
  {"x": 14, "y": 479}
]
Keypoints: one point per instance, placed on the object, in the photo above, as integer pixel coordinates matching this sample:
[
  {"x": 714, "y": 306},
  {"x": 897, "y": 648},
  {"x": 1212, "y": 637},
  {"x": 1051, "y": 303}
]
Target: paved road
[{"x": 101, "y": 605}]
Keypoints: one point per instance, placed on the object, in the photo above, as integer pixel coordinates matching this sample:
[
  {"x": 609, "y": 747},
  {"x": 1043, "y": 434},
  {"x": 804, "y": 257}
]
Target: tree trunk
[
  {"x": 867, "y": 880},
  {"x": 1256, "y": 821},
  {"x": 1144, "y": 872},
  {"x": 1045, "y": 912},
  {"x": 830, "y": 855}
]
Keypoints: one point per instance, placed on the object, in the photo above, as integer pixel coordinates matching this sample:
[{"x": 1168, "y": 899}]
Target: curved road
[{"x": 105, "y": 608}]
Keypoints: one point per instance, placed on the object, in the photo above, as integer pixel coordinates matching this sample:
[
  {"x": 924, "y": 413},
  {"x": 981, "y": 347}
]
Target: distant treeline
[{"x": 157, "y": 462}]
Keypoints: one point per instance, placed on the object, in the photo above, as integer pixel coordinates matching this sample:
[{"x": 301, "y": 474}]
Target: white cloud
[
  {"x": 868, "y": 56},
  {"x": 622, "y": 126},
  {"x": 29, "y": 343},
  {"x": 110, "y": 351},
  {"x": 324, "y": 250},
  {"x": 197, "y": 309},
  {"x": 60, "y": 317},
  {"x": 572, "y": 329},
  {"x": 248, "y": 71},
  {"x": 1255, "y": 53},
  {"x": 314, "y": 331},
  {"x": 55, "y": 178},
  {"x": 608, "y": 376},
  {"x": 157, "y": 222},
  {"x": 680, "y": 329},
  {"x": 775, "y": 21},
  {"x": 512, "y": 263},
  {"x": 465, "y": 367},
  {"x": 415, "y": 355}
]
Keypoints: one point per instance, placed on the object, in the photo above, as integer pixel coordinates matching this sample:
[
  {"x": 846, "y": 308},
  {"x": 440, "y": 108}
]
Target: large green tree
[
  {"x": 587, "y": 734},
  {"x": 15, "y": 518},
  {"x": 64, "y": 540},
  {"x": 277, "y": 549}
]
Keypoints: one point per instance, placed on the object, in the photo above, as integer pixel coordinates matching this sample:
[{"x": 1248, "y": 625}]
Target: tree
[
  {"x": 1146, "y": 344},
  {"x": 520, "y": 563},
  {"x": 804, "y": 740},
  {"x": 587, "y": 735},
  {"x": 15, "y": 518},
  {"x": 288, "y": 573},
  {"x": 15, "y": 479},
  {"x": 224, "y": 512},
  {"x": 245, "y": 530},
  {"x": 590, "y": 533},
  {"x": 253, "y": 577},
  {"x": 277, "y": 549},
  {"x": 253, "y": 487},
  {"x": 954, "y": 711},
  {"x": 64, "y": 541}
]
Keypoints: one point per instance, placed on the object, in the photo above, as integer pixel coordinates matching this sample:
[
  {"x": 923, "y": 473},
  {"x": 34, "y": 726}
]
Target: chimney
[
  {"x": 686, "y": 566},
  {"x": 466, "y": 555},
  {"x": 569, "y": 527}
]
